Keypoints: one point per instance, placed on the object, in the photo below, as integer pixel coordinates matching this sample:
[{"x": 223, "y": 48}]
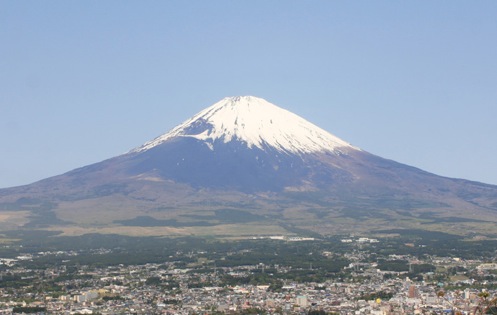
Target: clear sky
[{"x": 412, "y": 81}]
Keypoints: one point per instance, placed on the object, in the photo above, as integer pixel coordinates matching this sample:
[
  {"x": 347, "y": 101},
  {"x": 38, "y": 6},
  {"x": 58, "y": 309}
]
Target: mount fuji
[
  {"x": 244, "y": 166},
  {"x": 242, "y": 143}
]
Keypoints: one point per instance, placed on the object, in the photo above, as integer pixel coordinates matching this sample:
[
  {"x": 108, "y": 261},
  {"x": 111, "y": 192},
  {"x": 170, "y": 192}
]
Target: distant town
[{"x": 347, "y": 275}]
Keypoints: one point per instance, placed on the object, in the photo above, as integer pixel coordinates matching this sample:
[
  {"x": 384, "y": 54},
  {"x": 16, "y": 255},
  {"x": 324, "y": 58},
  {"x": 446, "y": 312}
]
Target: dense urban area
[{"x": 395, "y": 272}]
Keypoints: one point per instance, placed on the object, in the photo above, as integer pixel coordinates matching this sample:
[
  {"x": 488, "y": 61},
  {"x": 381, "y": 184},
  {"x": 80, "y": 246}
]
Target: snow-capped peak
[{"x": 255, "y": 122}]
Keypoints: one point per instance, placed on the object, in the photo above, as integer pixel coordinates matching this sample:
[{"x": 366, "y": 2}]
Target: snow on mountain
[{"x": 255, "y": 122}]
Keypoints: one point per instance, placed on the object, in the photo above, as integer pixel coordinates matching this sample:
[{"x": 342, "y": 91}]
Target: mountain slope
[{"x": 246, "y": 166}]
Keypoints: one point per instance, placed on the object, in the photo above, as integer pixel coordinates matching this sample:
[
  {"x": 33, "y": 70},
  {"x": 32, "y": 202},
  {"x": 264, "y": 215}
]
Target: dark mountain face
[
  {"x": 229, "y": 163},
  {"x": 231, "y": 166}
]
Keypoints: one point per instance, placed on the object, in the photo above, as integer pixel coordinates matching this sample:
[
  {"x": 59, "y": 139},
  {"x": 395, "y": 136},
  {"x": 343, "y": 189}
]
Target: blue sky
[{"x": 412, "y": 81}]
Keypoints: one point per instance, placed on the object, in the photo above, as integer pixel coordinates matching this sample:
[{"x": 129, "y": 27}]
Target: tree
[
  {"x": 153, "y": 281},
  {"x": 486, "y": 304}
]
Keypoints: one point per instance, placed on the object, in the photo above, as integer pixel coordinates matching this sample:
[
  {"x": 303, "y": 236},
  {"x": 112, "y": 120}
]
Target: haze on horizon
[{"x": 85, "y": 81}]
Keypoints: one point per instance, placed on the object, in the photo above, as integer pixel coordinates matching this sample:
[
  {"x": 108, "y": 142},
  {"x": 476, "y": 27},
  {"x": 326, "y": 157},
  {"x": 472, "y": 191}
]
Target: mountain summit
[
  {"x": 244, "y": 166},
  {"x": 256, "y": 123}
]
